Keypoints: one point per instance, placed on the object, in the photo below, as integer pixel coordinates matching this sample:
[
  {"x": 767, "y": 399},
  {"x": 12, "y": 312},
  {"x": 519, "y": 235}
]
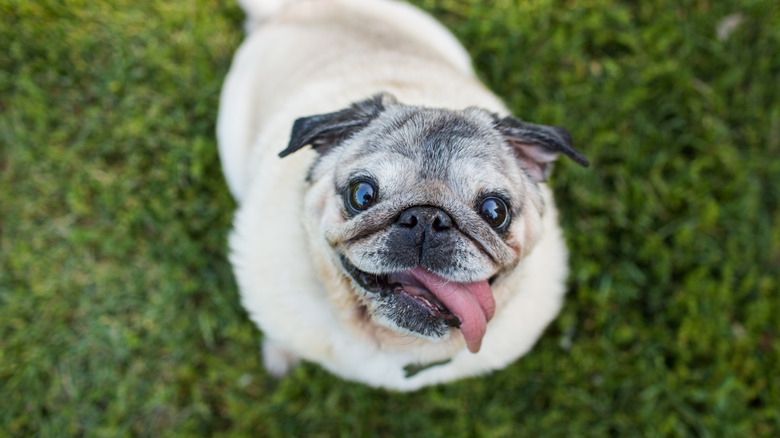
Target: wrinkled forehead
[{"x": 458, "y": 149}]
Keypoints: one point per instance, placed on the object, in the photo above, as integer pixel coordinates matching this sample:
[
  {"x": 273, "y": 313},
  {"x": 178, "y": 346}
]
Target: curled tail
[{"x": 258, "y": 11}]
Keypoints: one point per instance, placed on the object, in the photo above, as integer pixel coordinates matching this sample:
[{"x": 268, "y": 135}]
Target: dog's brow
[{"x": 399, "y": 122}]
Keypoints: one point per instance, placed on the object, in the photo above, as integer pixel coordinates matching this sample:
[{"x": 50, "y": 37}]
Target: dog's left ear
[
  {"x": 324, "y": 131},
  {"x": 537, "y": 146}
]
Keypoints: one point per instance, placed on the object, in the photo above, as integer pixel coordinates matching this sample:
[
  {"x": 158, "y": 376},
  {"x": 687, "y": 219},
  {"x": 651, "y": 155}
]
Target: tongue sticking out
[{"x": 473, "y": 303}]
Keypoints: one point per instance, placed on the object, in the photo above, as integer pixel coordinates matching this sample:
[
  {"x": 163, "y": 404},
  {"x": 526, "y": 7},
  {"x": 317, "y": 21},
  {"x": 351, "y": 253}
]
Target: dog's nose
[{"x": 425, "y": 219}]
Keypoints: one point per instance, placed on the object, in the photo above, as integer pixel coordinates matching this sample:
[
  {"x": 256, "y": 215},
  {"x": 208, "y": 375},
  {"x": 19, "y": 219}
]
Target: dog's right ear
[{"x": 324, "y": 131}]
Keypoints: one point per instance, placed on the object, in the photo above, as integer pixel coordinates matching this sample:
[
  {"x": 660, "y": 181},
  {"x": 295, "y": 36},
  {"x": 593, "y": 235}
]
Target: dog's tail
[{"x": 258, "y": 11}]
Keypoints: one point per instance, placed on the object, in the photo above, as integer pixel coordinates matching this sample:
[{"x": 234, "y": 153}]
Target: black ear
[
  {"x": 537, "y": 146},
  {"x": 324, "y": 131}
]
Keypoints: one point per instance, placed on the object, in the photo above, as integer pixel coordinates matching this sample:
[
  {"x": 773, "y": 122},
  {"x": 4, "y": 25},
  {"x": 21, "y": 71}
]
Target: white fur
[{"x": 296, "y": 63}]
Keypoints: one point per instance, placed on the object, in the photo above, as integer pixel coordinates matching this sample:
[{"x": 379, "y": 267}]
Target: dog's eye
[
  {"x": 360, "y": 195},
  {"x": 494, "y": 211}
]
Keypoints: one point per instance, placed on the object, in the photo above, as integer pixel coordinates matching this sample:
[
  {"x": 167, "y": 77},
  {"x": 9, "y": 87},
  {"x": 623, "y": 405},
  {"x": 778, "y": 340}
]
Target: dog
[{"x": 393, "y": 221}]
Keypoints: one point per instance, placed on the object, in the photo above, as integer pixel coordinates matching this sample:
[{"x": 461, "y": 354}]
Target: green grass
[{"x": 118, "y": 311}]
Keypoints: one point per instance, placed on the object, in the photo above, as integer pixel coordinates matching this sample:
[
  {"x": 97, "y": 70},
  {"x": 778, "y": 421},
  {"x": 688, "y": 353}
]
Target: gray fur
[{"x": 440, "y": 158}]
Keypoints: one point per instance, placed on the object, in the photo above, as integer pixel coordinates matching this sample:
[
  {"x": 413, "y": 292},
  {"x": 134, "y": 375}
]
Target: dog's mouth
[
  {"x": 430, "y": 299},
  {"x": 402, "y": 283}
]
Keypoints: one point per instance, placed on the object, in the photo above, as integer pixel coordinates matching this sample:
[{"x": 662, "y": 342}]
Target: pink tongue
[{"x": 471, "y": 302}]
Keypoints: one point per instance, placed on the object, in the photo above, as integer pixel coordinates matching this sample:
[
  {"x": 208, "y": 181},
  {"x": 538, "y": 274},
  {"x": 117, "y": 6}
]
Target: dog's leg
[{"x": 277, "y": 360}]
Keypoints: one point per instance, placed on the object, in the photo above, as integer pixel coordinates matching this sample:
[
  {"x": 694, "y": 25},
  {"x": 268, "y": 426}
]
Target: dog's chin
[{"x": 415, "y": 302}]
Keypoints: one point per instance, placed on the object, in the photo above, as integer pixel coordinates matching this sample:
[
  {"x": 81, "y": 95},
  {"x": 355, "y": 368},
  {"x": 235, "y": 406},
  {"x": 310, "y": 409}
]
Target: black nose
[
  {"x": 422, "y": 235},
  {"x": 429, "y": 220}
]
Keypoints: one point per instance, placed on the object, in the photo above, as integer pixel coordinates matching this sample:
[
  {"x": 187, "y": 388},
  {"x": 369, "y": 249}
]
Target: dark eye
[
  {"x": 360, "y": 195},
  {"x": 494, "y": 211}
]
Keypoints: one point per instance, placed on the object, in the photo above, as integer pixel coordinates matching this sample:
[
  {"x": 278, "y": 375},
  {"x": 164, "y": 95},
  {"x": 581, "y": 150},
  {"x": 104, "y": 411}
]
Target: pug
[{"x": 393, "y": 222}]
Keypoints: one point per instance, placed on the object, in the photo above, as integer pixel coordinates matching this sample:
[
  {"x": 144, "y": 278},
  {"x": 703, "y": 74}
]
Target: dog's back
[{"x": 327, "y": 44}]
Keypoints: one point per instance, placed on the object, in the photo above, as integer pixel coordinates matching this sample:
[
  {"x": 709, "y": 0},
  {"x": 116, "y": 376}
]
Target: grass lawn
[{"x": 119, "y": 315}]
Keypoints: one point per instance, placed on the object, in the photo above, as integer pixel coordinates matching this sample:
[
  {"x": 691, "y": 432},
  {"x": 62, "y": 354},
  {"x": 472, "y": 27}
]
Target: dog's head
[{"x": 419, "y": 210}]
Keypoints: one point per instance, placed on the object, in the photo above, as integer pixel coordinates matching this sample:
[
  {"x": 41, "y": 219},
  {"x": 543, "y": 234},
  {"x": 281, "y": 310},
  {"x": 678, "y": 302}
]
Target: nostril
[
  {"x": 442, "y": 222},
  {"x": 408, "y": 219}
]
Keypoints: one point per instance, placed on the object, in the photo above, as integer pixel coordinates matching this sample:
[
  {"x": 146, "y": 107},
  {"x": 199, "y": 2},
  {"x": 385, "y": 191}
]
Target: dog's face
[{"x": 420, "y": 210}]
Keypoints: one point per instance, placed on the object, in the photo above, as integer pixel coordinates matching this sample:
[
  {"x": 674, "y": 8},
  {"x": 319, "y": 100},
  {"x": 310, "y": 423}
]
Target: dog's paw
[{"x": 277, "y": 360}]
